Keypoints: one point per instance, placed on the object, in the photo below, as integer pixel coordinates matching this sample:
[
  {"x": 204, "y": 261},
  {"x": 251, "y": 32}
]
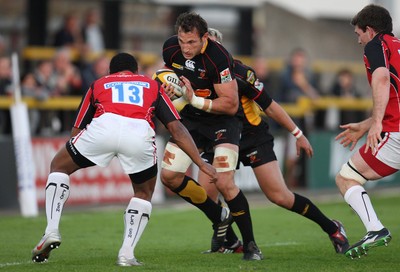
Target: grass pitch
[{"x": 175, "y": 238}]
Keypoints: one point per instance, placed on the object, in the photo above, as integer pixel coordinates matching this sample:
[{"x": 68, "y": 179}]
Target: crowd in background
[{"x": 64, "y": 75}]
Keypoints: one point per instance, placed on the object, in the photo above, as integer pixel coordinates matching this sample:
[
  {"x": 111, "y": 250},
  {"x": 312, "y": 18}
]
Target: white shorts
[
  {"x": 110, "y": 135},
  {"x": 387, "y": 160}
]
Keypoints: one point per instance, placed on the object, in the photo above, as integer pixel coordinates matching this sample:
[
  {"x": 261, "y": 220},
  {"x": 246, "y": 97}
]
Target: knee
[
  {"x": 282, "y": 200},
  {"x": 228, "y": 189},
  {"x": 339, "y": 180},
  {"x": 171, "y": 179}
]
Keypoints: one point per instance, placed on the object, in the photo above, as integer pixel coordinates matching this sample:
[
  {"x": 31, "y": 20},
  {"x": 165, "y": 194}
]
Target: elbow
[{"x": 232, "y": 108}]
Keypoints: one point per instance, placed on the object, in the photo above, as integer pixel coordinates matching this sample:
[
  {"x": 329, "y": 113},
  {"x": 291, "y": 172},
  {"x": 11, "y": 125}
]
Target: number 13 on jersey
[{"x": 130, "y": 92}]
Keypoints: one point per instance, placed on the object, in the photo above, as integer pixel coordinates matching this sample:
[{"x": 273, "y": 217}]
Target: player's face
[
  {"x": 363, "y": 37},
  {"x": 191, "y": 43}
]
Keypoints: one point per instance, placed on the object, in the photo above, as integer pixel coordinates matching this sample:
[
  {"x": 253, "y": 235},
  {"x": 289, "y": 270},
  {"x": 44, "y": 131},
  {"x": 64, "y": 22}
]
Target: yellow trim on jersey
[
  {"x": 251, "y": 111},
  {"x": 203, "y": 49}
]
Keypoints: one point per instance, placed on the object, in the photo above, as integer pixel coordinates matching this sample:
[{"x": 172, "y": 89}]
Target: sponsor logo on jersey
[
  {"x": 177, "y": 66},
  {"x": 202, "y": 92},
  {"x": 189, "y": 64},
  {"x": 251, "y": 78},
  {"x": 225, "y": 75}
]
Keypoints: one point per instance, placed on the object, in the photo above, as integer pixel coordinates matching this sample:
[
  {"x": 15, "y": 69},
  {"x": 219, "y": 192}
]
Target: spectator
[
  {"x": 68, "y": 81},
  {"x": 67, "y": 76},
  {"x": 92, "y": 32},
  {"x": 93, "y": 71},
  {"x": 261, "y": 68},
  {"x": 39, "y": 85},
  {"x": 344, "y": 86},
  {"x": 69, "y": 35},
  {"x": 296, "y": 80}
]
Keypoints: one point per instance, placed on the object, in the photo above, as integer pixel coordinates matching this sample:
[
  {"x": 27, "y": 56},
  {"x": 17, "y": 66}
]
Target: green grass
[{"x": 175, "y": 237}]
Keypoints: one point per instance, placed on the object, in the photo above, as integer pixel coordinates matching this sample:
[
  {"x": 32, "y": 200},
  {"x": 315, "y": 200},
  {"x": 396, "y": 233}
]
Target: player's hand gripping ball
[{"x": 169, "y": 77}]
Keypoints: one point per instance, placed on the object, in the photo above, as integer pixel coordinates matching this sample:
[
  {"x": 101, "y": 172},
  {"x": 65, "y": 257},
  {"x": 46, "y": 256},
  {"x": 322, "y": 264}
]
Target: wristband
[{"x": 297, "y": 133}]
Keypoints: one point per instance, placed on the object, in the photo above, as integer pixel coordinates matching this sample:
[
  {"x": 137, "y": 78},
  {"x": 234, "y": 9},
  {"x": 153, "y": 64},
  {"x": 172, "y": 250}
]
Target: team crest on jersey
[
  {"x": 189, "y": 64},
  {"x": 219, "y": 135},
  {"x": 202, "y": 73},
  {"x": 225, "y": 75},
  {"x": 177, "y": 66},
  {"x": 251, "y": 78}
]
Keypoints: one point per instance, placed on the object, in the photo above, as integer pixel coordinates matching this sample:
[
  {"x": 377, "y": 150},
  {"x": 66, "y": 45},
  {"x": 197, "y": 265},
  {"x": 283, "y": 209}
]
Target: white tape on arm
[{"x": 201, "y": 103}]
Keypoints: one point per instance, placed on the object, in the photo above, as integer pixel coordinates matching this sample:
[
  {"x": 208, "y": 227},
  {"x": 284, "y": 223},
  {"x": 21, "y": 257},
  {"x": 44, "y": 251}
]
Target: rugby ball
[{"x": 169, "y": 77}]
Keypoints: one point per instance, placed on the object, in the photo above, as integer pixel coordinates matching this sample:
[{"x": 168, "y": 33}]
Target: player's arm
[
  {"x": 380, "y": 84},
  {"x": 227, "y": 101},
  {"x": 84, "y": 113},
  {"x": 228, "y": 98},
  {"x": 169, "y": 116},
  {"x": 276, "y": 112},
  {"x": 353, "y": 132}
]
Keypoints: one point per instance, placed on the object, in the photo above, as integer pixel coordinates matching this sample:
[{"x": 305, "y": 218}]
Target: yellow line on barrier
[{"x": 299, "y": 109}]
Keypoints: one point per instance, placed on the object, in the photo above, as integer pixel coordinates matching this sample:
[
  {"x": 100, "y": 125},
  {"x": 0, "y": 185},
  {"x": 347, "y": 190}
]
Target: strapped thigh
[{"x": 175, "y": 159}]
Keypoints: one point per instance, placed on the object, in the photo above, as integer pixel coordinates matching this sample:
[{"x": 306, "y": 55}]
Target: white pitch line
[
  {"x": 11, "y": 264},
  {"x": 277, "y": 244}
]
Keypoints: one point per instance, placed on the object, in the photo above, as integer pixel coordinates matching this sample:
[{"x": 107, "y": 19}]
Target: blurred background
[{"x": 63, "y": 45}]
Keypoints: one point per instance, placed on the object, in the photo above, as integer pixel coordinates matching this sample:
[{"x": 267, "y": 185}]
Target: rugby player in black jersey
[
  {"x": 213, "y": 118},
  {"x": 256, "y": 150}
]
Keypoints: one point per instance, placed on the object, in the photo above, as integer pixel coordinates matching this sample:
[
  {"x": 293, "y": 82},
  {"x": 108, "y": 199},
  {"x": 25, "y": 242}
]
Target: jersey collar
[{"x": 203, "y": 49}]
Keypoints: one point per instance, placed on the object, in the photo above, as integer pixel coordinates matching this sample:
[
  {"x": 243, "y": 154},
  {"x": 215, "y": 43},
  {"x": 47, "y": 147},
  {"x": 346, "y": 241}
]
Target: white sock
[
  {"x": 57, "y": 193},
  {"x": 359, "y": 200},
  {"x": 136, "y": 216}
]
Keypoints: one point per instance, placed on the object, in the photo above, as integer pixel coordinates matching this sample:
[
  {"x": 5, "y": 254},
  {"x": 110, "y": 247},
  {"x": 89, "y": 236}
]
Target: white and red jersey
[
  {"x": 384, "y": 51},
  {"x": 126, "y": 94}
]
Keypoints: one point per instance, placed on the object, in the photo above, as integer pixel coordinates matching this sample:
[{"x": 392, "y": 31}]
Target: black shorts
[
  {"x": 258, "y": 155},
  {"x": 208, "y": 135},
  {"x": 256, "y": 147}
]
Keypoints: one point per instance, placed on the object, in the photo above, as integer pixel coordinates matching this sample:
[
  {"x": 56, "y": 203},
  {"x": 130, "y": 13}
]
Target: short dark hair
[
  {"x": 374, "y": 16},
  {"x": 122, "y": 62},
  {"x": 188, "y": 21}
]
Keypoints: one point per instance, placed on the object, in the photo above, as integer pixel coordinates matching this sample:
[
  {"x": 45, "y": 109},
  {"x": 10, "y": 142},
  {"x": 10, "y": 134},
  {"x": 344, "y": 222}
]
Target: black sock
[
  {"x": 306, "y": 208},
  {"x": 194, "y": 193},
  {"x": 241, "y": 214}
]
